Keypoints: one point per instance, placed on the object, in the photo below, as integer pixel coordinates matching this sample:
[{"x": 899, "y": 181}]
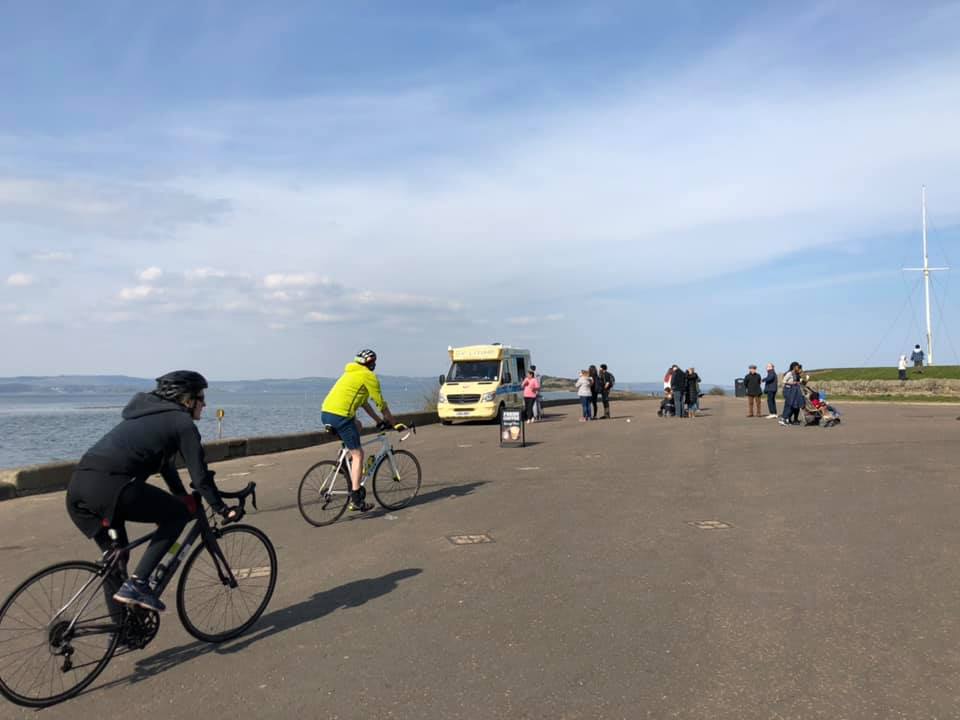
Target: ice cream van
[{"x": 481, "y": 382}]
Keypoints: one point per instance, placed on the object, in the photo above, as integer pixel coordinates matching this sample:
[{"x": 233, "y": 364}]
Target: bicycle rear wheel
[
  {"x": 394, "y": 490},
  {"x": 210, "y": 609},
  {"x": 320, "y": 497},
  {"x": 42, "y": 660}
]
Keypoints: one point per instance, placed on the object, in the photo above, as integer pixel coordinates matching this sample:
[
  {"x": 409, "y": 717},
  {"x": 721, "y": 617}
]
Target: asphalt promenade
[{"x": 719, "y": 567}]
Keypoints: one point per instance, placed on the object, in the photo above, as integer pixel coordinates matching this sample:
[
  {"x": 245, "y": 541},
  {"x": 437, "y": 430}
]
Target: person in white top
[
  {"x": 902, "y": 367},
  {"x": 585, "y": 393}
]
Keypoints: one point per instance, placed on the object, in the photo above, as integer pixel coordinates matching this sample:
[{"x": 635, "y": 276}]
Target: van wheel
[
  {"x": 499, "y": 418},
  {"x": 446, "y": 422}
]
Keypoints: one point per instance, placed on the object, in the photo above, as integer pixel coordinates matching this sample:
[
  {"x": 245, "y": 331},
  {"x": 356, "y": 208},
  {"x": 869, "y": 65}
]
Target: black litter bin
[{"x": 739, "y": 389}]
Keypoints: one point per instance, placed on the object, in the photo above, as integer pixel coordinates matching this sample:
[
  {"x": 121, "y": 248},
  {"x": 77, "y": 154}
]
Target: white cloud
[
  {"x": 19, "y": 280},
  {"x": 28, "y": 319},
  {"x": 321, "y": 317},
  {"x": 281, "y": 280},
  {"x": 404, "y": 301},
  {"x": 139, "y": 292},
  {"x": 237, "y": 305},
  {"x": 200, "y": 274},
  {"x": 150, "y": 274}
]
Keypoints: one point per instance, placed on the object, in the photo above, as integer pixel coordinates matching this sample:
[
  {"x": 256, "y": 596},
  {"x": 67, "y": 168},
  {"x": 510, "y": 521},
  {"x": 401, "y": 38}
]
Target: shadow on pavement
[
  {"x": 444, "y": 491},
  {"x": 353, "y": 594}
]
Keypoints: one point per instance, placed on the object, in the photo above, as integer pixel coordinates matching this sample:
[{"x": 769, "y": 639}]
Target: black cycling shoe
[{"x": 358, "y": 501}]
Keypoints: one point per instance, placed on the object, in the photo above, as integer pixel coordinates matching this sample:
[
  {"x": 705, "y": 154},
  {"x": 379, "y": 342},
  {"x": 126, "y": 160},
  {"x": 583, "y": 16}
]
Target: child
[
  {"x": 585, "y": 393},
  {"x": 667, "y": 406}
]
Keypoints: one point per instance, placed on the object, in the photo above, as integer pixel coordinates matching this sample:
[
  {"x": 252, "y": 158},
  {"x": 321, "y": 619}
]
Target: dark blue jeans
[
  {"x": 680, "y": 398},
  {"x": 772, "y": 402}
]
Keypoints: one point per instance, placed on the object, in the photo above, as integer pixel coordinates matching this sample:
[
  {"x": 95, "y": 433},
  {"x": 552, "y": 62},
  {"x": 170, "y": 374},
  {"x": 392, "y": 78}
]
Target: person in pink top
[{"x": 531, "y": 386}]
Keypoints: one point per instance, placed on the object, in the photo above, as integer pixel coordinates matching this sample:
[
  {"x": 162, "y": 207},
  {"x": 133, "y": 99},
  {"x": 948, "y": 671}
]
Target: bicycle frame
[
  {"x": 114, "y": 560},
  {"x": 386, "y": 451}
]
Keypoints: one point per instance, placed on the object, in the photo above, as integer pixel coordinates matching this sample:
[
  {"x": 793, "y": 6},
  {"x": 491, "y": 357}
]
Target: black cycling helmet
[
  {"x": 178, "y": 383},
  {"x": 367, "y": 357}
]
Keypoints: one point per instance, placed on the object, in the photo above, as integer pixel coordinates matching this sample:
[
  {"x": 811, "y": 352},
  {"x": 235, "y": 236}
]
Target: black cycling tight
[{"x": 147, "y": 504}]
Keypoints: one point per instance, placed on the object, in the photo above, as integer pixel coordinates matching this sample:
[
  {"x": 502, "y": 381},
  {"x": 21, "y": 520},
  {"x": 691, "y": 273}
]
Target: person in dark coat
[
  {"x": 751, "y": 383},
  {"x": 109, "y": 485},
  {"x": 606, "y": 385},
  {"x": 770, "y": 389},
  {"x": 678, "y": 383},
  {"x": 917, "y": 357},
  {"x": 693, "y": 392},
  {"x": 594, "y": 389},
  {"x": 792, "y": 395}
]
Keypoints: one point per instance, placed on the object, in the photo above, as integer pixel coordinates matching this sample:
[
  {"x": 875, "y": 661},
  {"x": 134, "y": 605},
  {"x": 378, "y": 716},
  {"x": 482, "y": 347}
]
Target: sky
[{"x": 257, "y": 189}]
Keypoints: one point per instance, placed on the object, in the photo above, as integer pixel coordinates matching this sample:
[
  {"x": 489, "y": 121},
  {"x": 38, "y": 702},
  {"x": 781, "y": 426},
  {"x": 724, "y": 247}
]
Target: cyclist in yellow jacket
[{"x": 355, "y": 388}]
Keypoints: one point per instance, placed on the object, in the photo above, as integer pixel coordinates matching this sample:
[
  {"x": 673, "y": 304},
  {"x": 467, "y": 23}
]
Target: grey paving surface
[{"x": 835, "y": 593}]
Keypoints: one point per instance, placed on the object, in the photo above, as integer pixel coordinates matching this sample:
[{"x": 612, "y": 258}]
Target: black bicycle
[{"x": 60, "y": 628}]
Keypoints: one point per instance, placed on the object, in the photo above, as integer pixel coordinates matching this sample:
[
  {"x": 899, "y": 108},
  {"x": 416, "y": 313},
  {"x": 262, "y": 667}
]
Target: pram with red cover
[{"x": 816, "y": 410}]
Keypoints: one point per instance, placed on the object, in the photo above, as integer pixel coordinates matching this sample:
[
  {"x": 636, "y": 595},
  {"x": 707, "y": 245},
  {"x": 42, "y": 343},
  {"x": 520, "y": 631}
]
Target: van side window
[{"x": 521, "y": 370}]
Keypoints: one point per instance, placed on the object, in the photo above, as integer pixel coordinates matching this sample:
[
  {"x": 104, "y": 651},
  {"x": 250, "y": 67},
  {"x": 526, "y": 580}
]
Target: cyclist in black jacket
[{"x": 109, "y": 485}]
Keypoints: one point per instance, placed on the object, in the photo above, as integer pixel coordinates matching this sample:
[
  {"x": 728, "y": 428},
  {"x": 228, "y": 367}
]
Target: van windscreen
[{"x": 473, "y": 370}]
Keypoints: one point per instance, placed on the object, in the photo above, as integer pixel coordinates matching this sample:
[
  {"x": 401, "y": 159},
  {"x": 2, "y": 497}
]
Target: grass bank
[
  {"x": 946, "y": 400},
  {"x": 938, "y": 372}
]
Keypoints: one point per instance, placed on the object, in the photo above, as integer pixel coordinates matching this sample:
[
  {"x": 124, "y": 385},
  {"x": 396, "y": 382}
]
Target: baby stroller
[
  {"x": 667, "y": 406},
  {"x": 816, "y": 410}
]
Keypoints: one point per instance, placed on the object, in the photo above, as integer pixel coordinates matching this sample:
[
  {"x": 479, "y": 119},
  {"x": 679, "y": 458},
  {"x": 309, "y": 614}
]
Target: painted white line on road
[
  {"x": 238, "y": 474},
  {"x": 464, "y": 445},
  {"x": 536, "y": 467}
]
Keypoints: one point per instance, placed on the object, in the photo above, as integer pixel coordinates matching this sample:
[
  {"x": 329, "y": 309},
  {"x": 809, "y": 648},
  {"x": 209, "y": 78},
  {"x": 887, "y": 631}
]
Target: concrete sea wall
[{"x": 50, "y": 477}]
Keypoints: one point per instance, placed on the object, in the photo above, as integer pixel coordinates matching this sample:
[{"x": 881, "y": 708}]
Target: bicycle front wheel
[
  {"x": 43, "y": 660},
  {"x": 396, "y": 484},
  {"x": 208, "y": 607},
  {"x": 321, "y": 497}
]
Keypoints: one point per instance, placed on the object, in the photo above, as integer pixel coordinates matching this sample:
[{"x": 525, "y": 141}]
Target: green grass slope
[{"x": 938, "y": 372}]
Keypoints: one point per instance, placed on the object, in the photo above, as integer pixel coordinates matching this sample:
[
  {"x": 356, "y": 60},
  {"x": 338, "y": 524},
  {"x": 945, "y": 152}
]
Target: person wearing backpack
[{"x": 606, "y": 385}]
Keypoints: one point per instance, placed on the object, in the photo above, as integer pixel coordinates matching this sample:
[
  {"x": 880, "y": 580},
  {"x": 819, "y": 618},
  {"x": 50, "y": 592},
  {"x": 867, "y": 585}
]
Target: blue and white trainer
[{"x": 137, "y": 592}]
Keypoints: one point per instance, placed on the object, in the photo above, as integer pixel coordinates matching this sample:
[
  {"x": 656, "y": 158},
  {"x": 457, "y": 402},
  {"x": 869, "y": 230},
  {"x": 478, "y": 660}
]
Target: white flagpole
[{"x": 926, "y": 270}]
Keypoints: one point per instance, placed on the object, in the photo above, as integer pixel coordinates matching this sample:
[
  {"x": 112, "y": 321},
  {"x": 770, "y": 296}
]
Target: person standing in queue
[
  {"x": 770, "y": 389},
  {"x": 751, "y": 383},
  {"x": 538, "y": 403},
  {"x": 678, "y": 383},
  {"x": 606, "y": 385},
  {"x": 531, "y": 386}
]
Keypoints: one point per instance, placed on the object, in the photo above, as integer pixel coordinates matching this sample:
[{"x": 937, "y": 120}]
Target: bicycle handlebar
[
  {"x": 241, "y": 495},
  {"x": 382, "y": 428}
]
